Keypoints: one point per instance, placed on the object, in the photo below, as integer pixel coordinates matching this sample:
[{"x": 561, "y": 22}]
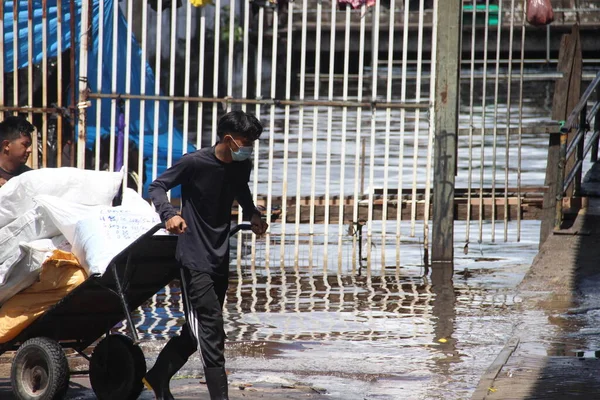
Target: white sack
[
  {"x": 27, "y": 269},
  {"x": 72, "y": 184},
  {"x": 33, "y": 225},
  {"x": 65, "y": 214},
  {"x": 98, "y": 239}
]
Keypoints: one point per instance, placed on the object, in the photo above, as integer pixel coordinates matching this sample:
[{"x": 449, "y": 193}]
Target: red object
[{"x": 539, "y": 12}]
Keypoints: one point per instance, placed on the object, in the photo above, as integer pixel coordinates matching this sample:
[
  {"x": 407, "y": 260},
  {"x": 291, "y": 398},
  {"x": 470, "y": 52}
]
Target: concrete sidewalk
[
  {"x": 183, "y": 387},
  {"x": 188, "y": 389},
  {"x": 551, "y": 354}
]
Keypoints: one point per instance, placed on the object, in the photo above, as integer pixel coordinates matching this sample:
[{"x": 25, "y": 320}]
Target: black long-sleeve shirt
[{"x": 208, "y": 188}]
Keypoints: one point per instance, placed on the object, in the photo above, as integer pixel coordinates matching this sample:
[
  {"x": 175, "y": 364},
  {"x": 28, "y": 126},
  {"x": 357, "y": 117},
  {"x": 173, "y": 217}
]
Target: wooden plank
[
  {"x": 566, "y": 96},
  {"x": 568, "y": 90}
]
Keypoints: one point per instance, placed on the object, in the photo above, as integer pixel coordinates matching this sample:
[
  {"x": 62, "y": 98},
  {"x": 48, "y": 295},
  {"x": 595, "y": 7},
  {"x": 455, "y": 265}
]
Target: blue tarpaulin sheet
[{"x": 107, "y": 121}]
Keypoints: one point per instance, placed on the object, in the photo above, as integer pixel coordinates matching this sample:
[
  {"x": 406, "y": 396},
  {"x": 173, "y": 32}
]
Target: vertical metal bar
[
  {"x": 404, "y": 66},
  {"x": 272, "y": 130},
  {"x": 596, "y": 129},
  {"x": 259, "y": 61},
  {"x": 342, "y": 194},
  {"x": 286, "y": 130},
  {"x": 483, "y": 116},
  {"x": 357, "y": 147},
  {"x": 548, "y": 31},
  {"x": 99, "y": 88},
  {"x": 83, "y": 71},
  {"x": 44, "y": 83},
  {"x": 329, "y": 133},
  {"x": 113, "y": 105},
  {"x": 157, "y": 71},
  {"x": 413, "y": 211},
  {"x": 231, "y": 28},
  {"x": 72, "y": 82},
  {"x": 216, "y": 59},
  {"x": 315, "y": 133},
  {"x": 142, "y": 131},
  {"x": 245, "y": 38},
  {"x": 495, "y": 127},
  {"x": 428, "y": 168},
  {"x": 29, "y": 58},
  {"x": 15, "y": 53},
  {"x": 508, "y": 118},
  {"x": 2, "y": 54},
  {"x": 300, "y": 132},
  {"x": 520, "y": 138},
  {"x": 446, "y": 125},
  {"x": 471, "y": 122},
  {"x": 201, "y": 65},
  {"x": 388, "y": 116},
  {"x": 186, "y": 78},
  {"x": 245, "y": 60},
  {"x": 59, "y": 80},
  {"x": 172, "y": 84},
  {"x": 374, "y": 72},
  {"x": 579, "y": 155},
  {"x": 128, "y": 52}
]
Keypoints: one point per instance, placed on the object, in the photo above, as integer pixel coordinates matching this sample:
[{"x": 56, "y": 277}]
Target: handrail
[
  {"x": 578, "y": 119},
  {"x": 571, "y": 121}
]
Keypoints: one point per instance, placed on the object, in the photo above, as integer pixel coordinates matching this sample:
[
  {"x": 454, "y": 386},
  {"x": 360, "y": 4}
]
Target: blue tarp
[{"x": 93, "y": 65}]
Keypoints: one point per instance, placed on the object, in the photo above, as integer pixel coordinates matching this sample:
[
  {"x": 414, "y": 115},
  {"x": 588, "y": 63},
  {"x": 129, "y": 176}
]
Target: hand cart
[{"x": 117, "y": 365}]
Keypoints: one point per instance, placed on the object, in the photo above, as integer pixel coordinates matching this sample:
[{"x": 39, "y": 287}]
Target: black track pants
[{"x": 203, "y": 296}]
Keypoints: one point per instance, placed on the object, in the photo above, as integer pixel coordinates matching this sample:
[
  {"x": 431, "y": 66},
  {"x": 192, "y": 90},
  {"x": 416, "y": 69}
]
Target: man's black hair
[
  {"x": 241, "y": 123},
  {"x": 12, "y": 128}
]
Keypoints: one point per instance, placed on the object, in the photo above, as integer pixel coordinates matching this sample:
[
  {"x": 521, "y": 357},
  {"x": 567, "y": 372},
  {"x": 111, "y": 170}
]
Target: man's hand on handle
[
  {"x": 259, "y": 227},
  {"x": 176, "y": 225}
]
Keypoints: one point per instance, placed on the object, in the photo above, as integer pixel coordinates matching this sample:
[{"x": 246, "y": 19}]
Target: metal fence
[
  {"x": 341, "y": 123},
  {"x": 345, "y": 97},
  {"x": 508, "y": 71}
]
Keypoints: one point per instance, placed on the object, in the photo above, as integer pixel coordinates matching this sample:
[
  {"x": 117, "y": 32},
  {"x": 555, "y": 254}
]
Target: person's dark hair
[
  {"x": 241, "y": 123},
  {"x": 12, "y": 128}
]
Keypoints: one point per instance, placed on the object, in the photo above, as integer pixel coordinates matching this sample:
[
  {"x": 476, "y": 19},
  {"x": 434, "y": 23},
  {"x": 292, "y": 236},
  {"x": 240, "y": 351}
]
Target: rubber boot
[
  {"x": 158, "y": 378},
  {"x": 216, "y": 381}
]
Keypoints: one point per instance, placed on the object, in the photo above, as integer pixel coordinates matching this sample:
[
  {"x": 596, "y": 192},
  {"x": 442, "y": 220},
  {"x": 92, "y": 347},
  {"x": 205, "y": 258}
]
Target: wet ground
[{"x": 412, "y": 333}]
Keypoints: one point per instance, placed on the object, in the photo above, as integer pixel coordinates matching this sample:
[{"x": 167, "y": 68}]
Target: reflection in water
[
  {"x": 444, "y": 312},
  {"x": 295, "y": 305},
  {"x": 395, "y": 328}
]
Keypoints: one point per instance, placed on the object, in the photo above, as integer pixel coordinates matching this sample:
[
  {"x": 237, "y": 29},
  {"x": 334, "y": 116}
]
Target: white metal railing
[
  {"x": 338, "y": 124},
  {"x": 505, "y": 89},
  {"x": 309, "y": 149}
]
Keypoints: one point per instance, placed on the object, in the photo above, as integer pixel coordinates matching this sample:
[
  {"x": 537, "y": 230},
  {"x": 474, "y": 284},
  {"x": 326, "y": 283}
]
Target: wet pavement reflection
[{"x": 417, "y": 332}]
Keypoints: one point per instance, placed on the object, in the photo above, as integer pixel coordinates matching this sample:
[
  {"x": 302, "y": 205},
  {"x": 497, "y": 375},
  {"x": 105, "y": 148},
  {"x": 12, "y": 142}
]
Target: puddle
[{"x": 376, "y": 337}]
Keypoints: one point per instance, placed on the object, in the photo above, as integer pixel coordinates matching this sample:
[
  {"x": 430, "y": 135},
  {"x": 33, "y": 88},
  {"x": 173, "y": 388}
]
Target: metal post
[
  {"x": 446, "y": 129},
  {"x": 83, "y": 86},
  {"x": 596, "y": 128},
  {"x": 558, "y": 218},
  {"x": 579, "y": 154}
]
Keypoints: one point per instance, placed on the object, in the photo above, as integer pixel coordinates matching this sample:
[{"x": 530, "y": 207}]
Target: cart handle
[
  {"x": 232, "y": 231},
  {"x": 239, "y": 227}
]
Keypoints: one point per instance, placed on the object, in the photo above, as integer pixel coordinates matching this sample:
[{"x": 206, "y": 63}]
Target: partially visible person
[{"x": 15, "y": 142}]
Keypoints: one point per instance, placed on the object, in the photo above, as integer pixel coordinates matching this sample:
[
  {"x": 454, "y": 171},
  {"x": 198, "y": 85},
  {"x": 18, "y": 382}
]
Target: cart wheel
[
  {"x": 117, "y": 368},
  {"x": 40, "y": 370}
]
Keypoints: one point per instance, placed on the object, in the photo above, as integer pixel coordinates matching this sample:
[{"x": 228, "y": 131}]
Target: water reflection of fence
[{"x": 296, "y": 305}]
